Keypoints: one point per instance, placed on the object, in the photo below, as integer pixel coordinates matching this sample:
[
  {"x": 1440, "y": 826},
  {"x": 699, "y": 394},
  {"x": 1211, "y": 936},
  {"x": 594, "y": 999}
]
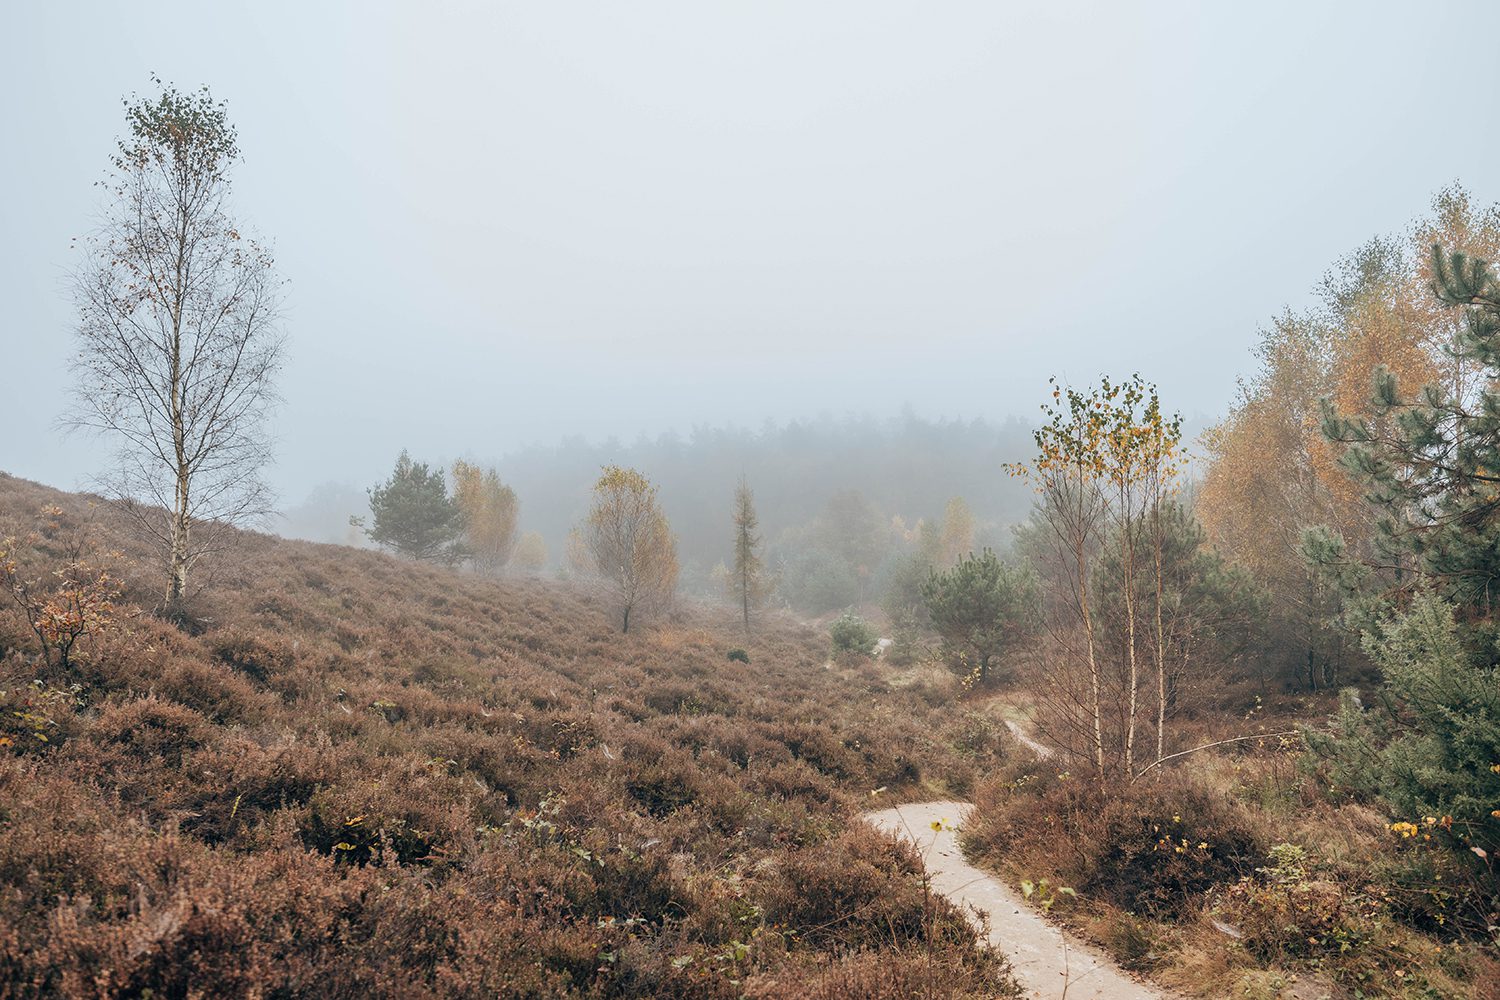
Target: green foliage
[
  {"x": 188, "y": 132},
  {"x": 906, "y": 635},
  {"x": 851, "y": 634},
  {"x": 903, "y": 583},
  {"x": 1430, "y": 744},
  {"x": 1209, "y": 606},
  {"x": 982, "y": 607},
  {"x": 738, "y": 655},
  {"x": 413, "y": 513},
  {"x": 749, "y": 582},
  {"x": 1428, "y": 460}
]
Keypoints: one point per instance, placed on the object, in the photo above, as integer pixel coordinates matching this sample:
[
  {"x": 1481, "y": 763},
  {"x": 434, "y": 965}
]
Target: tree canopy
[
  {"x": 629, "y": 545},
  {"x": 414, "y": 515},
  {"x": 981, "y": 607}
]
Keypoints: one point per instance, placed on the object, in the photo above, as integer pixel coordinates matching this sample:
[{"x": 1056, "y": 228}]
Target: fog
[{"x": 504, "y": 225}]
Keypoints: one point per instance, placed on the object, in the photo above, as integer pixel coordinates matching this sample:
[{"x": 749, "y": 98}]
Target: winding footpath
[{"x": 1049, "y": 964}]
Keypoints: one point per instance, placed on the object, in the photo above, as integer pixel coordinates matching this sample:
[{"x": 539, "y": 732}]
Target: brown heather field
[{"x": 366, "y": 777}]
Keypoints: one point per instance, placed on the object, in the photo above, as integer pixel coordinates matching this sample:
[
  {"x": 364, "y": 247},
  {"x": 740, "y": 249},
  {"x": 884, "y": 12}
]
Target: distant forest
[{"x": 839, "y": 499}]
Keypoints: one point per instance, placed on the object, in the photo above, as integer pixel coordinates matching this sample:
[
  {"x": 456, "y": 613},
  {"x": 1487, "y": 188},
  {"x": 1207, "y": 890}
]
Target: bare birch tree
[
  {"x": 177, "y": 342},
  {"x": 1068, "y": 473}
]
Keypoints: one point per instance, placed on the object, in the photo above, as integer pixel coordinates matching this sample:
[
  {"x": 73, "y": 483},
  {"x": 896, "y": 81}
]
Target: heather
[{"x": 345, "y": 773}]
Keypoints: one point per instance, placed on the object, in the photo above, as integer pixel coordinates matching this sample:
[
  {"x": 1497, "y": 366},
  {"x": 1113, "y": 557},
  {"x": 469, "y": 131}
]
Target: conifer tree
[
  {"x": 413, "y": 513},
  {"x": 1429, "y": 463},
  {"x": 749, "y": 582},
  {"x": 1429, "y": 460},
  {"x": 981, "y": 607}
]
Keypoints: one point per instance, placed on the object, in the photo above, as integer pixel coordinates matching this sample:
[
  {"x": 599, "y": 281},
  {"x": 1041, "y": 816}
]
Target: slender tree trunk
[
  {"x": 745, "y": 596},
  {"x": 1088, "y": 631},
  {"x": 1128, "y": 567},
  {"x": 177, "y": 575},
  {"x": 181, "y": 525},
  {"x": 1161, "y": 638}
]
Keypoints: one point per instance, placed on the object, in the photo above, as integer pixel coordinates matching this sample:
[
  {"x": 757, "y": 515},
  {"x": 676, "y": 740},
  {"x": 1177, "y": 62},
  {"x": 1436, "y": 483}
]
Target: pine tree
[
  {"x": 1429, "y": 462},
  {"x": 413, "y": 513},
  {"x": 981, "y": 607},
  {"x": 749, "y": 582},
  {"x": 1429, "y": 465}
]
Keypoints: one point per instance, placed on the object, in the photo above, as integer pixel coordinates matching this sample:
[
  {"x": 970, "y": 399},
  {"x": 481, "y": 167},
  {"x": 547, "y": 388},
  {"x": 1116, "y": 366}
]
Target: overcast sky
[{"x": 504, "y": 223}]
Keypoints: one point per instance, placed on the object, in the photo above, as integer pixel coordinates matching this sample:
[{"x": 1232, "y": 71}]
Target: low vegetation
[
  {"x": 354, "y": 774},
  {"x": 1238, "y": 876}
]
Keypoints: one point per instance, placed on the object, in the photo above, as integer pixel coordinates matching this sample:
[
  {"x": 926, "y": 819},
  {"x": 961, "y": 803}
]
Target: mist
[{"x": 504, "y": 225}]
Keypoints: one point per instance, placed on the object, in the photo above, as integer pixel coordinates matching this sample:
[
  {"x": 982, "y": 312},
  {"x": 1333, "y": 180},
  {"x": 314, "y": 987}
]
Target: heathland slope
[{"x": 355, "y": 775}]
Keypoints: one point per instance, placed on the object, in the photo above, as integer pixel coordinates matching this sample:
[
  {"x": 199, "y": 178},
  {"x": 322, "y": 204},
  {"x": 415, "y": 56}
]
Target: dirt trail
[
  {"x": 1046, "y": 961},
  {"x": 1041, "y": 750}
]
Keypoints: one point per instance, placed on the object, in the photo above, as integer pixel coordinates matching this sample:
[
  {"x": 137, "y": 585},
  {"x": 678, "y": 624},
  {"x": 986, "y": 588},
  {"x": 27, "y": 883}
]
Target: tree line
[{"x": 624, "y": 545}]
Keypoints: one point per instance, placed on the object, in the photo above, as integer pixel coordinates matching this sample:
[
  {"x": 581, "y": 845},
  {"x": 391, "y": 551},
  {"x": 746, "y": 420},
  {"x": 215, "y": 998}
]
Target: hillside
[{"x": 353, "y": 774}]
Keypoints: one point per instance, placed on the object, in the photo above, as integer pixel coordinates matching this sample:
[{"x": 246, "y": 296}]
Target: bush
[
  {"x": 738, "y": 656},
  {"x": 852, "y": 635},
  {"x": 1428, "y": 750},
  {"x": 1154, "y": 850},
  {"x": 1286, "y": 912},
  {"x": 981, "y": 607}
]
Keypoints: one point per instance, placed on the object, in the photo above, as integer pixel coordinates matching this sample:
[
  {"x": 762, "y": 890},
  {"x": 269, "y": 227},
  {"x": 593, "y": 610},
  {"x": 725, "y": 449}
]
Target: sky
[{"x": 502, "y": 224}]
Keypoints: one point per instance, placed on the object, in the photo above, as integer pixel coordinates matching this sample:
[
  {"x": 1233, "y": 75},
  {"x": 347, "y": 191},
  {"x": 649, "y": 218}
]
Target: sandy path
[
  {"x": 1041, "y": 750},
  {"x": 1044, "y": 959}
]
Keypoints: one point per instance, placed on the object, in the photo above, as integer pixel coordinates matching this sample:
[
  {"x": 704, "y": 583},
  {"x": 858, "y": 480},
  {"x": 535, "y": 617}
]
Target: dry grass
[
  {"x": 368, "y": 777},
  {"x": 1176, "y": 878}
]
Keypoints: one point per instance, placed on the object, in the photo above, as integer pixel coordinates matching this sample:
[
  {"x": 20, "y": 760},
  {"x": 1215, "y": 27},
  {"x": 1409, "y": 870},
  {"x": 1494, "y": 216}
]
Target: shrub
[
  {"x": 852, "y": 635},
  {"x": 1443, "y": 708},
  {"x": 738, "y": 656},
  {"x": 1429, "y": 748},
  {"x": 1286, "y": 912},
  {"x": 981, "y": 607},
  {"x": 72, "y": 604},
  {"x": 1151, "y": 849}
]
